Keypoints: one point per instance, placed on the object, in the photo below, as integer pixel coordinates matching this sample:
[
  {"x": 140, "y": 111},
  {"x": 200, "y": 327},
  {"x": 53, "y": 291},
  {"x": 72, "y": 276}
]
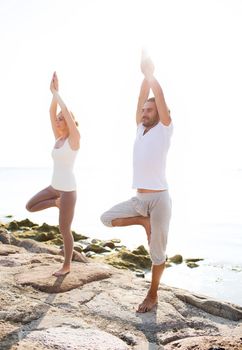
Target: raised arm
[
  {"x": 74, "y": 134},
  {"x": 143, "y": 95},
  {"x": 147, "y": 68},
  {"x": 53, "y": 109}
]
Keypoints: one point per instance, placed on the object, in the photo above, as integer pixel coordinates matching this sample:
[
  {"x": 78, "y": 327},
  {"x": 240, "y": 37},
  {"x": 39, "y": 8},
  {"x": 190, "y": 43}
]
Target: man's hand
[{"x": 147, "y": 66}]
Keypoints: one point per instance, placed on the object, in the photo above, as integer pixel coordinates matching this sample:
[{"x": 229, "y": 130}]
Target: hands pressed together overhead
[
  {"x": 147, "y": 66},
  {"x": 54, "y": 84}
]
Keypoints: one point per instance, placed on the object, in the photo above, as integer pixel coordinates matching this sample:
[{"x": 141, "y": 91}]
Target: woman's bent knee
[{"x": 28, "y": 207}]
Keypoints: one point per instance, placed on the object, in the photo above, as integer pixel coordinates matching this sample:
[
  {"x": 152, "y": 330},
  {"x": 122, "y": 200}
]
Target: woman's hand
[{"x": 54, "y": 84}]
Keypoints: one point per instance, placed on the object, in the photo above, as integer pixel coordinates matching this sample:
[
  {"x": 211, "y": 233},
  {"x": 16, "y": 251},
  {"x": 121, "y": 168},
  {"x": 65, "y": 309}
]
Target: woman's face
[{"x": 60, "y": 122}]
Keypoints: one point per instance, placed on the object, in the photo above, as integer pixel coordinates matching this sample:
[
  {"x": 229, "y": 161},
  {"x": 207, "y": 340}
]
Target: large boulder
[
  {"x": 78, "y": 339},
  {"x": 127, "y": 259},
  {"x": 41, "y": 278}
]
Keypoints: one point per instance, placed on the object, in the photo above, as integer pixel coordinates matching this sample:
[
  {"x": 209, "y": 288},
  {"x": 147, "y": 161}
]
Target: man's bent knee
[{"x": 106, "y": 220}]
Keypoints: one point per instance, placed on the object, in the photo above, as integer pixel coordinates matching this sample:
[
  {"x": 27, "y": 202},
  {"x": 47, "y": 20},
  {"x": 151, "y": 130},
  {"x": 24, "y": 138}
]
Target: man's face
[{"x": 150, "y": 115}]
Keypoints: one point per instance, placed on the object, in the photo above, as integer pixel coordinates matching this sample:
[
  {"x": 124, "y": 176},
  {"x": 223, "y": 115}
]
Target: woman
[{"x": 62, "y": 191}]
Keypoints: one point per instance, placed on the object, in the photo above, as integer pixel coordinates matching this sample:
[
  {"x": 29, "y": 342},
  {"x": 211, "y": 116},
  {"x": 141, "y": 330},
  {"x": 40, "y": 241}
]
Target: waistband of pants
[{"x": 151, "y": 195}]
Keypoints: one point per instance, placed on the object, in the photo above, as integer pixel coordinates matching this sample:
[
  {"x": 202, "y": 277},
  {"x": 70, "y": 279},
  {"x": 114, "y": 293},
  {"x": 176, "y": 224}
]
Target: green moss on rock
[
  {"x": 16, "y": 225},
  {"x": 47, "y": 228},
  {"x": 141, "y": 261},
  {"x": 78, "y": 236},
  {"x": 126, "y": 259},
  {"x": 45, "y": 236},
  {"x": 140, "y": 251},
  {"x": 26, "y": 223},
  {"x": 109, "y": 244},
  {"x": 116, "y": 240},
  {"x": 12, "y": 226},
  {"x": 193, "y": 260},
  {"x": 26, "y": 234},
  {"x": 96, "y": 248},
  {"x": 78, "y": 248},
  {"x": 36, "y": 235},
  {"x": 192, "y": 265},
  {"x": 176, "y": 259},
  {"x": 56, "y": 241}
]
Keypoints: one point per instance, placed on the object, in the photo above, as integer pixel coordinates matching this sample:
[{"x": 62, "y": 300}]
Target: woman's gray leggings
[{"x": 47, "y": 199}]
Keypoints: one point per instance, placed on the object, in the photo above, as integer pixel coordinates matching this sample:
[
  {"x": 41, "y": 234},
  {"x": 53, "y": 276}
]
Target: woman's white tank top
[{"x": 63, "y": 178}]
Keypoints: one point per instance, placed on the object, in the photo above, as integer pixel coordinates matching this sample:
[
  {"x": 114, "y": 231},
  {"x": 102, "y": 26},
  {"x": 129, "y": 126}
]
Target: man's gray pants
[{"x": 156, "y": 206}]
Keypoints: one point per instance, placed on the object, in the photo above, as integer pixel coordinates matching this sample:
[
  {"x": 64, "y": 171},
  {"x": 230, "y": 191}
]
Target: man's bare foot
[
  {"x": 147, "y": 304},
  {"x": 145, "y": 222},
  {"x": 57, "y": 203},
  {"x": 62, "y": 272}
]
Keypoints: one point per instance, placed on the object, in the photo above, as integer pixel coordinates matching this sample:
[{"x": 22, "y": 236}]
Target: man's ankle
[{"x": 152, "y": 294}]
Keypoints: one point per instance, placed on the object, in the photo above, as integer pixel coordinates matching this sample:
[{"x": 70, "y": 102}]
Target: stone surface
[
  {"x": 10, "y": 249},
  {"x": 36, "y": 247},
  {"x": 78, "y": 236},
  {"x": 192, "y": 265},
  {"x": 47, "y": 228},
  {"x": 116, "y": 240},
  {"x": 129, "y": 260},
  {"x": 95, "y": 306},
  {"x": 214, "y": 307},
  {"x": 208, "y": 343},
  {"x": 140, "y": 251},
  {"x": 193, "y": 260},
  {"x": 42, "y": 279},
  {"x": 77, "y": 339},
  {"x": 109, "y": 244},
  {"x": 176, "y": 259},
  {"x": 4, "y": 236},
  {"x": 76, "y": 256},
  {"x": 96, "y": 248}
]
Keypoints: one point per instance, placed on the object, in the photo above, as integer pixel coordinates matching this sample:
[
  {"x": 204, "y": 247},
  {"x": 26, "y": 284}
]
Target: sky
[{"x": 95, "y": 47}]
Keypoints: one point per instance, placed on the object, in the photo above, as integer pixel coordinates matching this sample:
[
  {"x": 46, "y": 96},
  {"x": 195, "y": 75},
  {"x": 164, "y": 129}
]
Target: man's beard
[{"x": 148, "y": 122}]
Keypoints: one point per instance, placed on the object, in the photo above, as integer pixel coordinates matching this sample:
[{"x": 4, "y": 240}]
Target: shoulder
[
  {"x": 73, "y": 144},
  {"x": 167, "y": 128}
]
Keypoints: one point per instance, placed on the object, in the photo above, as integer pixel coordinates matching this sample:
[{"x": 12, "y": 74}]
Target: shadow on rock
[
  {"x": 151, "y": 336},
  {"x": 14, "y": 337}
]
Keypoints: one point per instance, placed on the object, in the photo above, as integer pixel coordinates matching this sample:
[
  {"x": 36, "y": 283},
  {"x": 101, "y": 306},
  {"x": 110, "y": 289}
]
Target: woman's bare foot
[
  {"x": 62, "y": 272},
  {"x": 147, "y": 304},
  {"x": 57, "y": 202}
]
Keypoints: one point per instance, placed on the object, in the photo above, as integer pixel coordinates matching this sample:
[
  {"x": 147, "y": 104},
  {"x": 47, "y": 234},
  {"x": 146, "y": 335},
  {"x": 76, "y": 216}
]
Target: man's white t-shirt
[{"x": 149, "y": 157}]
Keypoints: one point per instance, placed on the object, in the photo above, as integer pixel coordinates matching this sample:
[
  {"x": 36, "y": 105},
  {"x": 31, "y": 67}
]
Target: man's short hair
[{"x": 151, "y": 99}]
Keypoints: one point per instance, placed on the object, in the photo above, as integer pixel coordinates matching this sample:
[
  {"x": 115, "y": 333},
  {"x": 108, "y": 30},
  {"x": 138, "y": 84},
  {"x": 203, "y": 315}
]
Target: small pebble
[{"x": 140, "y": 274}]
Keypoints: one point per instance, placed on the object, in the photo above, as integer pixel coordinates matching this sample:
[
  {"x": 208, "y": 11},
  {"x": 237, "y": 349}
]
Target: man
[{"x": 151, "y": 207}]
